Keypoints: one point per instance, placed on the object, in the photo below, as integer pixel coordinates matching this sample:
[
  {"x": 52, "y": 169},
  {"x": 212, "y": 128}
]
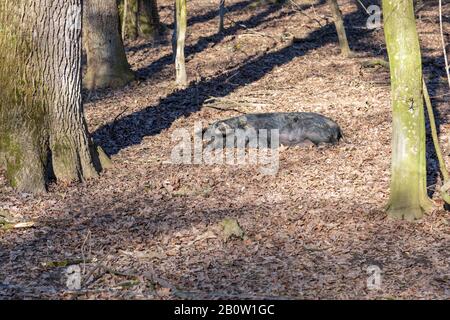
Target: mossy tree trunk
[
  {"x": 142, "y": 19},
  {"x": 178, "y": 42},
  {"x": 43, "y": 134},
  {"x": 130, "y": 15},
  {"x": 107, "y": 64},
  {"x": 340, "y": 28},
  {"x": 150, "y": 22},
  {"x": 408, "y": 197}
]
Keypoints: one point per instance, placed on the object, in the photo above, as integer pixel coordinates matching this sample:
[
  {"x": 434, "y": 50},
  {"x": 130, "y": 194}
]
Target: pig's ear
[
  {"x": 223, "y": 127},
  {"x": 243, "y": 121}
]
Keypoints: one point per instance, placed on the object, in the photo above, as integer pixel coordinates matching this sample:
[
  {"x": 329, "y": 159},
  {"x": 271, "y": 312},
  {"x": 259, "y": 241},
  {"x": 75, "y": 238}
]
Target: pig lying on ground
[{"x": 294, "y": 128}]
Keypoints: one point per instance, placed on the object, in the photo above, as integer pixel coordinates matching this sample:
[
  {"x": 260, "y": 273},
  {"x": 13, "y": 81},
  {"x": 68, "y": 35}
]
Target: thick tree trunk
[
  {"x": 408, "y": 199},
  {"x": 340, "y": 28},
  {"x": 150, "y": 22},
  {"x": 43, "y": 133},
  {"x": 178, "y": 42},
  {"x": 107, "y": 64},
  {"x": 131, "y": 17},
  {"x": 142, "y": 19}
]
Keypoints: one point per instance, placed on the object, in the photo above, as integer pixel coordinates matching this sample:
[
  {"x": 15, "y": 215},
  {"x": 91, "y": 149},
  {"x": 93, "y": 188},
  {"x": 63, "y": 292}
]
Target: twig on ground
[
  {"x": 83, "y": 246},
  {"x": 223, "y": 109},
  {"x": 299, "y": 9},
  {"x": 251, "y": 32},
  {"x": 212, "y": 102},
  {"x": 86, "y": 281}
]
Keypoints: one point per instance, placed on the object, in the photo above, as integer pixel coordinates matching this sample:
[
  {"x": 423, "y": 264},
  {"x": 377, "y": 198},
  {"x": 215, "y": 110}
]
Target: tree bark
[
  {"x": 142, "y": 19},
  {"x": 124, "y": 18},
  {"x": 340, "y": 28},
  {"x": 221, "y": 15},
  {"x": 178, "y": 42},
  {"x": 408, "y": 198},
  {"x": 43, "y": 134},
  {"x": 150, "y": 21},
  {"x": 107, "y": 64}
]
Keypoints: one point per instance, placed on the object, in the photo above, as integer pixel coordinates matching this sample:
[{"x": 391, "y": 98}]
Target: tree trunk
[
  {"x": 124, "y": 16},
  {"x": 178, "y": 42},
  {"x": 107, "y": 64},
  {"x": 150, "y": 22},
  {"x": 340, "y": 28},
  {"x": 408, "y": 198},
  {"x": 142, "y": 19},
  {"x": 43, "y": 134},
  {"x": 130, "y": 14},
  {"x": 221, "y": 15}
]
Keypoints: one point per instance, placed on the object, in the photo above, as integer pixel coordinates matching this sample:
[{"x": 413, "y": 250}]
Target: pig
[{"x": 295, "y": 128}]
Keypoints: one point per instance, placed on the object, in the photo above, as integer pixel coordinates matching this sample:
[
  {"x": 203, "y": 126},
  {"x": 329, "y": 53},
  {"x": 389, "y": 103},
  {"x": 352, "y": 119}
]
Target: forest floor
[{"x": 150, "y": 229}]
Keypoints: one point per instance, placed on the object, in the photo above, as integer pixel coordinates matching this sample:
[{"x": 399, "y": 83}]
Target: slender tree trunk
[
  {"x": 43, "y": 134},
  {"x": 178, "y": 42},
  {"x": 107, "y": 64},
  {"x": 408, "y": 198},
  {"x": 137, "y": 14},
  {"x": 340, "y": 28},
  {"x": 221, "y": 15},
  {"x": 124, "y": 19}
]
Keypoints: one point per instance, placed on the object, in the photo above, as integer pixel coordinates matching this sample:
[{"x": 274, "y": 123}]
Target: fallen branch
[
  {"x": 376, "y": 62},
  {"x": 62, "y": 263},
  {"x": 7, "y": 222},
  {"x": 213, "y": 101},
  {"x": 251, "y": 32},
  {"x": 223, "y": 109}
]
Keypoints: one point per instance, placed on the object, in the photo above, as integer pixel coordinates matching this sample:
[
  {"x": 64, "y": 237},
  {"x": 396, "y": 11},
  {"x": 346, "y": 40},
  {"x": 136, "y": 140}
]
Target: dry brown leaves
[{"x": 148, "y": 229}]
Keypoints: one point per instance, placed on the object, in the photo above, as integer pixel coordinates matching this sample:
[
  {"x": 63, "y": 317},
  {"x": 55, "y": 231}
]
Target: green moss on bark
[
  {"x": 13, "y": 158},
  {"x": 408, "y": 197},
  {"x": 142, "y": 19},
  {"x": 35, "y": 109}
]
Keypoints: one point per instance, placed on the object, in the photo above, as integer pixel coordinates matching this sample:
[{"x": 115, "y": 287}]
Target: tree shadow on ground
[
  {"x": 153, "y": 69},
  {"x": 193, "y": 20},
  {"x": 131, "y": 129},
  {"x": 210, "y": 41},
  {"x": 133, "y": 225}
]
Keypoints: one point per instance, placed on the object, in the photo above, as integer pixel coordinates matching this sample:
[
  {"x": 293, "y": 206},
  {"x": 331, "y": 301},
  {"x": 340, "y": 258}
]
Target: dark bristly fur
[{"x": 295, "y": 128}]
